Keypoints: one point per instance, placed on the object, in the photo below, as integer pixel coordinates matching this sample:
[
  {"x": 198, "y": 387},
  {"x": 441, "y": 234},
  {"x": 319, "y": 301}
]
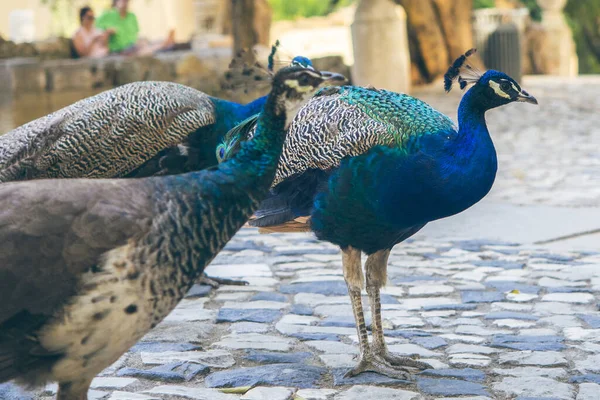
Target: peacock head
[
  {"x": 493, "y": 88},
  {"x": 301, "y": 61},
  {"x": 293, "y": 86}
]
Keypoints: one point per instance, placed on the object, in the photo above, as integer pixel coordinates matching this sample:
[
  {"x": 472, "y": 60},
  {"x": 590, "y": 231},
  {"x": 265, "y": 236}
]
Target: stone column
[
  {"x": 559, "y": 53},
  {"x": 380, "y": 42}
]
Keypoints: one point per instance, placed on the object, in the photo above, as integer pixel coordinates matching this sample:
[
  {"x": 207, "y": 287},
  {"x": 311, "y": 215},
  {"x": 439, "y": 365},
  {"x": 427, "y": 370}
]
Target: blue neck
[
  {"x": 229, "y": 114},
  {"x": 471, "y": 154}
]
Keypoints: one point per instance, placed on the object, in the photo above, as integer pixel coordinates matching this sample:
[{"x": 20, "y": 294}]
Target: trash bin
[
  {"x": 503, "y": 51},
  {"x": 507, "y": 45}
]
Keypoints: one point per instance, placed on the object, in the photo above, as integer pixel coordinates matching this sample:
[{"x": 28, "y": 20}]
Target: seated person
[
  {"x": 90, "y": 41},
  {"x": 126, "y": 29}
]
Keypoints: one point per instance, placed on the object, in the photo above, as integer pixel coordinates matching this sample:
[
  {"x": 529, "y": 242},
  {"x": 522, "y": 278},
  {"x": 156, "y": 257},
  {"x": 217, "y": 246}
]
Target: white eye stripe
[{"x": 496, "y": 86}]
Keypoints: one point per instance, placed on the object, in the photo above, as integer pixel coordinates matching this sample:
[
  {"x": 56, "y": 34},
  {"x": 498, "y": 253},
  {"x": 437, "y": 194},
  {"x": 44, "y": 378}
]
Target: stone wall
[{"x": 201, "y": 70}]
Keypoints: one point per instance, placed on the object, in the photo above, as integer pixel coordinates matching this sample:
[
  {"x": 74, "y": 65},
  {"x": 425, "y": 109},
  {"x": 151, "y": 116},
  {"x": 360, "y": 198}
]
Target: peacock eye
[
  {"x": 303, "y": 80},
  {"x": 221, "y": 152},
  {"x": 505, "y": 86}
]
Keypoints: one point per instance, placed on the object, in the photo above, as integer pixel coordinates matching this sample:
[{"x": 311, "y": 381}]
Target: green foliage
[
  {"x": 584, "y": 17},
  {"x": 477, "y": 4},
  {"x": 291, "y": 9}
]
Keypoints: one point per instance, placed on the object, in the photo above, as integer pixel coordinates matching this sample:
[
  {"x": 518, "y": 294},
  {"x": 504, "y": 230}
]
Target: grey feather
[{"x": 99, "y": 136}]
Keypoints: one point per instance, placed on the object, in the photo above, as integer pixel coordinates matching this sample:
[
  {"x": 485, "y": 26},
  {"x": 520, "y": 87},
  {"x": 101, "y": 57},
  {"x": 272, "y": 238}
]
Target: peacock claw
[
  {"x": 375, "y": 363},
  {"x": 216, "y": 282},
  {"x": 406, "y": 362}
]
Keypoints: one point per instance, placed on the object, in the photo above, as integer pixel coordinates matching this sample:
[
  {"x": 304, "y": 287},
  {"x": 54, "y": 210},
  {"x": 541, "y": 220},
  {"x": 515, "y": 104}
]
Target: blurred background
[{"x": 401, "y": 45}]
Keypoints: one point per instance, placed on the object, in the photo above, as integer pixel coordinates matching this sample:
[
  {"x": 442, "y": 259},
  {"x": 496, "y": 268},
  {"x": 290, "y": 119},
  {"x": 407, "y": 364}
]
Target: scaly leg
[
  {"x": 376, "y": 271},
  {"x": 216, "y": 282},
  {"x": 77, "y": 390},
  {"x": 355, "y": 281}
]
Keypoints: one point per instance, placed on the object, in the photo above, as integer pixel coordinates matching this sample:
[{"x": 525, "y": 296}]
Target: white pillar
[
  {"x": 380, "y": 42},
  {"x": 562, "y": 57}
]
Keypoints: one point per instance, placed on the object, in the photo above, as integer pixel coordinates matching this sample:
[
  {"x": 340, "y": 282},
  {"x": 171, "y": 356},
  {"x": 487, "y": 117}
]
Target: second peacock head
[{"x": 297, "y": 85}]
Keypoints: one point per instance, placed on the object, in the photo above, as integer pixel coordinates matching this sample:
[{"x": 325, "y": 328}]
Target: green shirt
[{"x": 127, "y": 29}]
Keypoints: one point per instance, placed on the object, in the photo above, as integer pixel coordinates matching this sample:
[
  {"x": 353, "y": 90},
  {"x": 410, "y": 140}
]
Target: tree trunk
[
  {"x": 439, "y": 32},
  {"x": 242, "y": 21},
  {"x": 429, "y": 51}
]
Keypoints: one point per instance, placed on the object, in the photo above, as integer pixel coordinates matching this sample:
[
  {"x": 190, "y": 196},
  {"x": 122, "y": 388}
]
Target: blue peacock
[
  {"x": 89, "y": 266},
  {"x": 366, "y": 169}
]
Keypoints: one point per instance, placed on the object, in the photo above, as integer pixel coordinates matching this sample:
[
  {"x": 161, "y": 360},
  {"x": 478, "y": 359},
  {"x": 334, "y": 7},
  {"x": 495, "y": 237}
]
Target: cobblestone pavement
[
  {"x": 547, "y": 154},
  {"x": 496, "y": 320}
]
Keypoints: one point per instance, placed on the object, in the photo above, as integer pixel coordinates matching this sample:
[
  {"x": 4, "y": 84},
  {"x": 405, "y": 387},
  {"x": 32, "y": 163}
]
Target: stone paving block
[
  {"x": 316, "y": 394},
  {"x": 430, "y": 343},
  {"x": 592, "y": 378},
  {"x": 118, "y": 395},
  {"x": 469, "y": 360},
  {"x": 270, "y": 393},
  {"x": 316, "y": 336},
  {"x": 249, "y": 327},
  {"x": 301, "y": 309},
  {"x": 328, "y": 288},
  {"x": 199, "y": 291},
  {"x": 211, "y": 358},
  {"x": 366, "y": 378},
  {"x": 468, "y": 374},
  {"x": 174, "y": 372},
  {"x": 255, "y": 341},
  {"x": 239, "y": 271},
  {"x": 364, "y": 392},
  {"x": 533, "y": 358},
  {"x": 532, "y": 371},
  {"x": 111, "y": 382},
  {"x": 592, "y": 320},
  {"x": 588, "y": 391},
  {"x": 338, "y": 360},
  {"x": 190, "y": 310},
  {"x": 511, "y": 315},
  {"x": 269, "y": 296},
  {"x": 159, "y": 347},
  {"x": 290, "y": 375},
  {"x": 537, "y": 343},
  {"x": 470, "y": 348},
  {"x": 450, "y": 387},
  {"x": 249, "y": 315},
  {"x": 457, "y": 307},
  {"x": 191, "y": 393},
  {"x": 266, "y": 357},
  {"x": 481, "y": 297},
  {"x": 573, "y": 298},
  {"x": 589, "y": 364},
  {"x": 530, "y": 386}
]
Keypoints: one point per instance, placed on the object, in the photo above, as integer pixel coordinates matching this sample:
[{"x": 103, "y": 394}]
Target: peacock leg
[
  {"x": 376, "y": 271},
  {"x": 77, "y": 390},
  {"x": 216, "y": 282},
  {"x": 355, "y": 281}
]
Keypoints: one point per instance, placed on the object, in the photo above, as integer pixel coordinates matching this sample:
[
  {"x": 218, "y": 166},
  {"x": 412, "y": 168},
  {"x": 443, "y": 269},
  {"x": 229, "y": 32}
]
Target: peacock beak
[
  {"x": 526, "y": 98},
  {"x": 333, "y": 77}
]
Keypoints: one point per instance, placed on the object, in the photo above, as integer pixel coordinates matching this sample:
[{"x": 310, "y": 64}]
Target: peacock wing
[
  {"x": 348, "y": 121},
  {"x": 107, "y": 135},
  {"x": 52, "y": 231}
]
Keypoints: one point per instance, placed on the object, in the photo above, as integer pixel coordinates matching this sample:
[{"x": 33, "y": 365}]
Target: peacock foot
[
  {"x": 216, "y": 282},
  {"x": 376, "y": 363},
  {"x": 406, "y": 362}
]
